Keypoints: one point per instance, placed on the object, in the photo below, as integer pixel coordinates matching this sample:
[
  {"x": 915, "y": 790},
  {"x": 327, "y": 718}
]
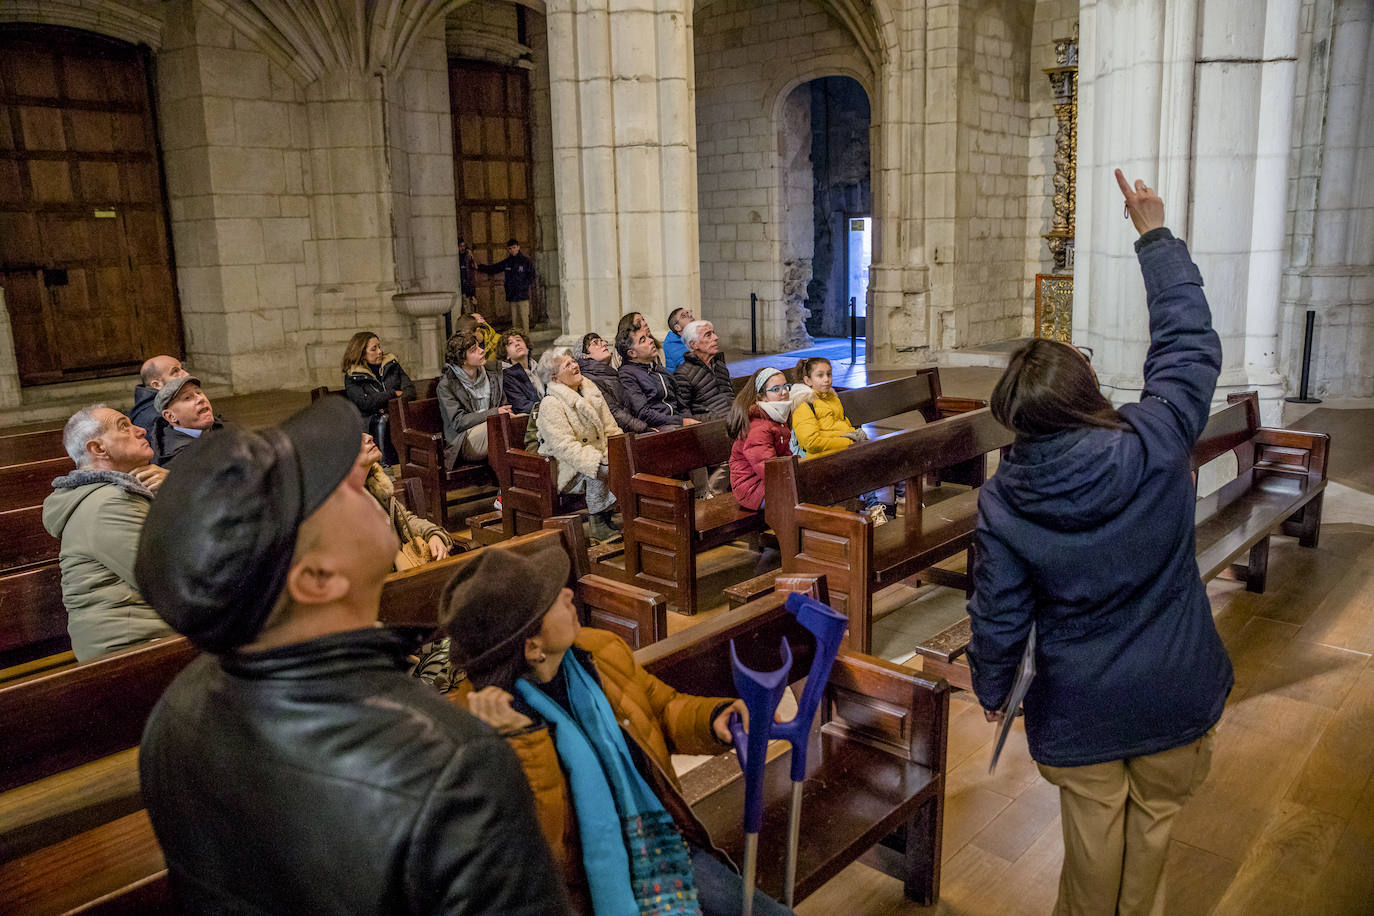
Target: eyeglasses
[
  {"x": 594, "y": 341},
  {"x": 1086, "y": 351},
  {"x": 777, "y": 388}
]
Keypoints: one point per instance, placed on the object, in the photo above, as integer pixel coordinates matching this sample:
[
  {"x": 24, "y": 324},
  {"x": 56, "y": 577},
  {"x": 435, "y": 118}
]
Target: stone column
[
  {"x": 624, "y": 138},
  {"x": 1219, "y": 160}
]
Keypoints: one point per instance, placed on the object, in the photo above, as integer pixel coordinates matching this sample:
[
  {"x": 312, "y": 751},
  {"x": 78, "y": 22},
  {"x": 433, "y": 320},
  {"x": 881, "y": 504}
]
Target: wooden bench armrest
[
  {"x": 637, "y": 615},
  {"x": 951, "y": 406},
  {"x": 879, "y": 703},
  {"x": 532, "y": 462},
  {"x": 829, "y": 519},
  {"x": 662, "y": 487},
  {"x": 1275, "y": 442}
]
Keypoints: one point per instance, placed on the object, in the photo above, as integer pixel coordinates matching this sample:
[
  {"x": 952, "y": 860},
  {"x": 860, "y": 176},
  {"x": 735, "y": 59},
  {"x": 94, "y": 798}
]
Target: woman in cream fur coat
[{"x": 574, "y": 425}]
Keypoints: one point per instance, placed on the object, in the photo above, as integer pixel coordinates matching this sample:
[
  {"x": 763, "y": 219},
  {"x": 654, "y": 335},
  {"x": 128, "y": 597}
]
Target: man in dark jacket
[
  {"x": 295, "y": 767},
  {"x": 1086, "y": 531},
  {"x": 519, "y": 277},
  {"x": 703, "y": 378},
  {"x": 595, "y": 363},
  {"x": 650, "y": 392},
  {"x": 155, "y": 373},
  {"x": 185, "y": 416}
]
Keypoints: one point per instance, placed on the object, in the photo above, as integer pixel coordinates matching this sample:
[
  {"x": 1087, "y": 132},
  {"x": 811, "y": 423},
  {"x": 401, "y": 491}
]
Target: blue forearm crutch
[
  {"x": 827, "y": 626},
  {"x": 760, "y": 692}
]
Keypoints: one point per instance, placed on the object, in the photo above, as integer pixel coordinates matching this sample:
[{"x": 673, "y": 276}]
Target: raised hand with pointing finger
[{"x": 1143, "y": 205}]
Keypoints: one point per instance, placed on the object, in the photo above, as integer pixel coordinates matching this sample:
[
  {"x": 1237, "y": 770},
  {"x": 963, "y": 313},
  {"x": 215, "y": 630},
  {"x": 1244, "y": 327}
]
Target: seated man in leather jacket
[{"x": 295, "y": 767}]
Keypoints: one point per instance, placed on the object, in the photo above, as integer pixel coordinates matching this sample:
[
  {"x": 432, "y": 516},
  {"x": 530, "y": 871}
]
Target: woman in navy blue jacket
[{"x": 1086, "y": 530}]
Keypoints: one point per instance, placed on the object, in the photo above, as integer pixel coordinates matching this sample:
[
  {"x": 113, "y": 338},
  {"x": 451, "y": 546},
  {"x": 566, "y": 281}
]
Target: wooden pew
[
  {"x": 72, "y": 831},
  {"x": 19, "y": 448},
  {"x": 528, "y": 480},
  {"x": 665, "y": 525},
  {"x": 26, "y": 543},
  {"x": 875, "y": 768},
  {"x": 1280, "y": 482},
  {"x": 418, "y": 435},
  {"x": 1279, "y": 487},
  {"x": 33, "y": 620},
  {"x": 816, "y": 536}
]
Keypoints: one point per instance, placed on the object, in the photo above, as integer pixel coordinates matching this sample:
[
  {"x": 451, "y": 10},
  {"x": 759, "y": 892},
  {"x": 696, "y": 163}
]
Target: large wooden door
[
  {"x": 84, "y": 255},
  {"x": 491, "y": 172}
]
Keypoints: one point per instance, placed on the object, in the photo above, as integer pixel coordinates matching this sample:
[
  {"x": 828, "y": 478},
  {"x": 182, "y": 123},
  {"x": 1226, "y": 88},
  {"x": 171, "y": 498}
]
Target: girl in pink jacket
[{"x": 758, "y": 423}]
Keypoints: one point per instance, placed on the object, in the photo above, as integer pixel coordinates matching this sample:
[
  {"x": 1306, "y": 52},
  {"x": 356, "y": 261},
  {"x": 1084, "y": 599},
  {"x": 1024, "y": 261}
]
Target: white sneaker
[
  {"x": 876, "y": 513},
  {"x": 497, "y": 504}
]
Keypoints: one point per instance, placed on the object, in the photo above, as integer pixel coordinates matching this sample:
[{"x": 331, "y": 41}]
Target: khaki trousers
[
  {"x": 1117, "y": 818},
  {"x": 520, "y": 314},
  {"x": 474, "y": 447}
]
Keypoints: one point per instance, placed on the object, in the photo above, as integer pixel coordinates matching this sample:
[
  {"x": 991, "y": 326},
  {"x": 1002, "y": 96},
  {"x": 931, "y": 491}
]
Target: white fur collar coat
[{"x": 573, "y": 428}]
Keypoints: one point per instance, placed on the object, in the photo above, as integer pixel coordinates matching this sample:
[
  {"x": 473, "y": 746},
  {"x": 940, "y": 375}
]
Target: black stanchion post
[
  {"x": 1302, "y": 397},
  {"x": 853, "y": 331},
  {"x": 753, "y": 326}
]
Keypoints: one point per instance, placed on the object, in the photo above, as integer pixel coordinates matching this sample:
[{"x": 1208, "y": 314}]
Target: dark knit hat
[
  {"x": 497, "y": 599},
  {"x": 220, "y": 535}
]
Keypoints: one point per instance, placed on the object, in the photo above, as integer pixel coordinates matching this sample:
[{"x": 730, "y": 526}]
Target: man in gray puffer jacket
[{"x": 97, "y": 511}]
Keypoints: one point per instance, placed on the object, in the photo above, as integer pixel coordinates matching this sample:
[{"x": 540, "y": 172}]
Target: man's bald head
[{"x": 157, "y": 370}]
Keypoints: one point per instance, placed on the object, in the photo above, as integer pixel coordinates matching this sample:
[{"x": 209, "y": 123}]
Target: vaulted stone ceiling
[{"x": 314, "y": 37}]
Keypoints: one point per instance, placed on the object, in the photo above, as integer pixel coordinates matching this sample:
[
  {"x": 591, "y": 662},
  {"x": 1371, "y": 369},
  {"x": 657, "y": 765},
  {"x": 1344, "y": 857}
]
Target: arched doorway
[{"x": 827, "y": 202}]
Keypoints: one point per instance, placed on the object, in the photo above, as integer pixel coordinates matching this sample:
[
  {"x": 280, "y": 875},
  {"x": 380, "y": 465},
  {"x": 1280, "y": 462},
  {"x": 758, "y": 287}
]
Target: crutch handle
[
  {"x": 828, "y": 626},
  {"x": 761, "y": 691}
]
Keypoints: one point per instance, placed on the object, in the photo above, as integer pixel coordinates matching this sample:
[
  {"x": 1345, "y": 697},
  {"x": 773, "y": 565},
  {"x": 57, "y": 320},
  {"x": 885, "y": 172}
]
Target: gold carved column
[{"x": 1054, "y": 291}]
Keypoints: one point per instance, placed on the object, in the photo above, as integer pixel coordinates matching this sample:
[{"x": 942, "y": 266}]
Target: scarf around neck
[{"x": 635, "y": 860}]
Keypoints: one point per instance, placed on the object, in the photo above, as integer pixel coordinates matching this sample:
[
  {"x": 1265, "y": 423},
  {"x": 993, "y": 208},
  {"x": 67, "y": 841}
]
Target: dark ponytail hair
[
  {"x": 737, "y": 421},
  {"x": 1048, "y": 388},
  {"x": 804, "y": 367}
]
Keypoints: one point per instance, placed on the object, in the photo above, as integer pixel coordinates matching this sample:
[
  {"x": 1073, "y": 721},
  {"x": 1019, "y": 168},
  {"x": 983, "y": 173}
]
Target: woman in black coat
[
  {"x": 1086, "y": 534},
  {"x": 372, "y": 378}
]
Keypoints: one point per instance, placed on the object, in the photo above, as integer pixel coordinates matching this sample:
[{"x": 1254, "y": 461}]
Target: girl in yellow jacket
[{"x": 818, "y": 419}]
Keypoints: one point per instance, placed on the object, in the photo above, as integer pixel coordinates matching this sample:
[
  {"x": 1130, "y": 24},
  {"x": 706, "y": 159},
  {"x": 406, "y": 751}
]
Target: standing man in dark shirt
[
  {"x": 295, "y": 767},
  {"x": 519, "y": 277}
]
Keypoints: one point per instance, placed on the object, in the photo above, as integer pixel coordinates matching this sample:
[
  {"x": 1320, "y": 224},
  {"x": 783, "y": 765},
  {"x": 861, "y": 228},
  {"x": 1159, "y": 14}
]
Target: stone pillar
[
  {"x": 624, "y": 138},
  {"x": 1219, "y": 161}
]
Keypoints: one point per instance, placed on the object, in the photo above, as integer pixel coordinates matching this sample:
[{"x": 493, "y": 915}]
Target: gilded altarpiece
[{"x": 1054, "y": 291}]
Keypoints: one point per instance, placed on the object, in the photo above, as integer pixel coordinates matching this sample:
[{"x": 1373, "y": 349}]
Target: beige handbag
[{"x": 414, "y": 549}]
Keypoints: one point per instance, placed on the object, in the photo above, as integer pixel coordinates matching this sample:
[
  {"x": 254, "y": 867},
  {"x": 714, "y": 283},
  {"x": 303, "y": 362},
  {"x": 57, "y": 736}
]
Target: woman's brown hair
[
  {"x": 357, "y": 346},
  {"x": 1048, "y": 388},
  {"x": 804, "y": 367},
  {"x": 737, "y": 421}
]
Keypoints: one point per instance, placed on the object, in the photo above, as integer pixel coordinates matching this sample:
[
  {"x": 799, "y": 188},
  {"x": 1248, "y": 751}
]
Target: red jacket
[{"x": 765, "y": 439}]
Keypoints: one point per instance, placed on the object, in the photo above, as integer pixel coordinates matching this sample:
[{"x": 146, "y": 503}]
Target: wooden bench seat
[
  {"x": 875, "y": 767},
  {"x": 858, "y": 558},
  {"x": 665, "y": 525},
  {"x": 1280, "y": 481}
]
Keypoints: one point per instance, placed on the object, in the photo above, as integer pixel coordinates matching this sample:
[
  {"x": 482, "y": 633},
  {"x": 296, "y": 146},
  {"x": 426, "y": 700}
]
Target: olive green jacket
[{"x": 98, "y": 515}]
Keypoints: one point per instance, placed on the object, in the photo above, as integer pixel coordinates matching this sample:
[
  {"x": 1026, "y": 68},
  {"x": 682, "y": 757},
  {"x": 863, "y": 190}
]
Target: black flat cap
[{"x": 219, "y": 537}]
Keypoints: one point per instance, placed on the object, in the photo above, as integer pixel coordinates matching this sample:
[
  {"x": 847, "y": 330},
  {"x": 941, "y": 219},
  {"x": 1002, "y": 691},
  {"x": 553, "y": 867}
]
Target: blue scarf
[{"x": 635, "y": 860}]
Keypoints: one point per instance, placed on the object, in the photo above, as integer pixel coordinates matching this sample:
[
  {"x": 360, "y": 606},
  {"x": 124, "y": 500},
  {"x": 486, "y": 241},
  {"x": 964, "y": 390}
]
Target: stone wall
[
  {"x": 1330, "y": 228},
  {"x": 749, "y": 55},
  {"x": 993, "y": 125}
]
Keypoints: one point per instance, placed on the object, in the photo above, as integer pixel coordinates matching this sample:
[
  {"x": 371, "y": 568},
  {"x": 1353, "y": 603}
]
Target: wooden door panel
[
  {"x": 82, "y": 208},
  {"x": 28, "y": 323},
  {"x": 492, "y": 170}
]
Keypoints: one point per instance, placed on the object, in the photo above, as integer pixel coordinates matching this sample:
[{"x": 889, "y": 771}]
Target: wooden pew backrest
[
  {"x": 63, "y": 718},
  {"x": 18, "y": 448},
  {"x": 831, "y": 479},
  {"x": 33, "y": 620},
  {"x": 29, "y": 483},
  {"x": 676, "y": 452},
  {"x": 887, "y": 399},
  {"x": 26, "y": 542}
]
